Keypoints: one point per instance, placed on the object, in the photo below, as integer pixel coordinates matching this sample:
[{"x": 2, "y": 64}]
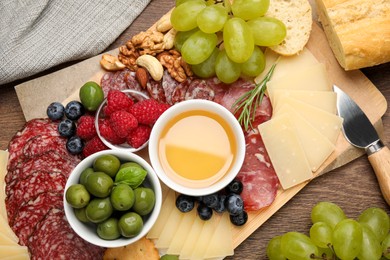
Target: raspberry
[
  {"x": 93, "y": 146},
  {"x": 139, "y": 136},
  {"x": 109, "y": 134},
  {"x": 148, "y": 111},
  {"x": 86, "y": 127},
  {"x": 117, "y": 100},
  {"x": 122, "y": 122}
]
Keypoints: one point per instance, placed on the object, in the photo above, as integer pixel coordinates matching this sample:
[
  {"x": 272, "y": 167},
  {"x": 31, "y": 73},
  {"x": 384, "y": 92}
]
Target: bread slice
[
  {"x": 358, "y": 31},
  {"x": 297, "y": 16}
]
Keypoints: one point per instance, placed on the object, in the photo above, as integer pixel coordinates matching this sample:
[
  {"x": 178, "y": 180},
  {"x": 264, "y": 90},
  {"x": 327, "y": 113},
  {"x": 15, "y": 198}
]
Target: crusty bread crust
[
  {"x": 358, "y": 31},
  {"x": 297, "y": 16}
]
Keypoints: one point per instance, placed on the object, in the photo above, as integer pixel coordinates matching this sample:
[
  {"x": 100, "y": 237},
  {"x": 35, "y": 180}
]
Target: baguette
[
  {"x": 297, "y": 16},
  {"x": 358, "y": 31}
]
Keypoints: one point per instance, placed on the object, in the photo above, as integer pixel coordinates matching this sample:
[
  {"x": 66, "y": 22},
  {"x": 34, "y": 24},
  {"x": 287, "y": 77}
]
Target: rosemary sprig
[{"x": 249, "y": 101}]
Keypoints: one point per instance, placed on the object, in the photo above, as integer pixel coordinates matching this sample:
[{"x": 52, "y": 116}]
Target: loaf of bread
[
  {"x": 297, "y": 17},
  {"x": 358, "y": 31}
]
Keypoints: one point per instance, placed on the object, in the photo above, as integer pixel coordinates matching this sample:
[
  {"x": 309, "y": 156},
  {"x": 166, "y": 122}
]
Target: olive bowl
[{"x": 88, "y": 231}]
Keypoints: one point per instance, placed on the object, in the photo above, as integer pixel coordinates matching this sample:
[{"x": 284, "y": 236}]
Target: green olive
[
  {"x": 80, "y": 215},
  {"x": 122, "y": 197},
  {"x": 77, "y": 196},
  {"x": 169, "y": 257},
  {"x": 99, "y": 184},
  {"x": 99, "y": 210},
  {"x": 130, "y": 224},
  {"x": 91, "y": 95},
  {"x": 108, "y": 164},
  {"x": 108, "y": 229},
  {"x": 84, "y": 175},
  {"x": 127, "y": 164},
  {"x": 144, "y": 200}
]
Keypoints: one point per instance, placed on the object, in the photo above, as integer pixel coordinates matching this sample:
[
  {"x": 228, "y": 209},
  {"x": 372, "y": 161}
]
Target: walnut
[
  {"x": 128, "y": 55},
  {"x": 176, "y": 66},
  {"x": 150, "y": 42}
]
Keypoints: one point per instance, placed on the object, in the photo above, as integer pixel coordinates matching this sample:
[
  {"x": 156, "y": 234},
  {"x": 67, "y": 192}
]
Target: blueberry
[
  {"x": 204, "y": 212},
  {"x": 75, "y": 145},
  {"x": 74, "y": 110},
  {"x": 221, "y": 203},
  {"x": 235, "y": 186},
  {"x": 66, "y": 128},
  {"x": 239, "y": 219},
  {"x": 185, "y": 203},
  {"x": 55, "y": 111},
  {"x": 210, "y": 200},
  {"x": 234, "y": 204}
]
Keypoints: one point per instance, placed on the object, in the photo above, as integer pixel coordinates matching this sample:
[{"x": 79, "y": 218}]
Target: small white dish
[
  {"x": 87, "y": 231},
  {"x": 159, "y": 156}
]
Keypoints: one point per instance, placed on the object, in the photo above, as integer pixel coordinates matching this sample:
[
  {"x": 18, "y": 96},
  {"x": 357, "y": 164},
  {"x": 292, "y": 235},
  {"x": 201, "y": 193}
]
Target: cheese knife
[{"x": 359, "y": 132}]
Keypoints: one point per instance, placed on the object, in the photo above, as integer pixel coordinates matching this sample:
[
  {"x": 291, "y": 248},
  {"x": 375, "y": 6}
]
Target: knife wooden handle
[{"x": 380, "y": 162}]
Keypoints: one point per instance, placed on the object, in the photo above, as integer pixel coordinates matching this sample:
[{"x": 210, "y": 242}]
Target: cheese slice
[
  {"x": 8, "y": 251},
  {"x": 192, "y": 237},
  {"x": 315, "y": 145},
  {"x": 325, "y": 100},
  {"x": 270, "y": 58},
  {"x": 285, "y": 151},
  {"x": 314, "y": 77},
  {"x": 22, "y": 256},
  {"x": 169, "y": 230},
  {"x": 6, "y": 240},
  {"x": 166, "y": 208},
  {"x": 179, "y": 237},
  {"x": 204, "y": 239},
  {"x": 327, "y": 123},
  {"x": 6, "y": 229},
  {"x": 3, "y": 171},
  {"x": 221, "y": 243}
]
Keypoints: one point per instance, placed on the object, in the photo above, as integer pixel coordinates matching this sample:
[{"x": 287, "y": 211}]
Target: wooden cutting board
[{"x": 34, "y": 96}]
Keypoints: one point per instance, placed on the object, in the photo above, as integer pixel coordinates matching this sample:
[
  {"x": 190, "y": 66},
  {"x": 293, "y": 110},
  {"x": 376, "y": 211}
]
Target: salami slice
[
  {"x": 156, "y": 90},
  {"x": 169, "y": 84},
  {"x": 179, "y": 93},
  {"x": 32, "y": 212},
  {"x": 54, "y": 239},
  {"x": 105, "y": 82},
  {"x": 30, "y": 187},
  {"x": 131, "y": 81},
  {"x": 198, "y": 89},
  {"x": 43, "y": 143}
]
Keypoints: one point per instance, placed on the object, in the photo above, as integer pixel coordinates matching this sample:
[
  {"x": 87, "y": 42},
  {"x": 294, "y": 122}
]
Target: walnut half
[{"x": 176, "y": 66}]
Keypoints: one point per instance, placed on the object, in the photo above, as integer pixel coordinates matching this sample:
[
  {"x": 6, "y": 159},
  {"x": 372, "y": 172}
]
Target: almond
[{"x": 142, "y": 76}]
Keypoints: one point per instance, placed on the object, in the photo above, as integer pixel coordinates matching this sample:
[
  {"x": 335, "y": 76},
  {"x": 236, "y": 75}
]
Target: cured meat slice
[
  {"x": 49, "y": 160},
  {"x": 32, "y": 212},
  {"x": 43, "y": 143},
  {"x": 198, "y": 89},
  {"x": 30, "y": 130},
  {"x": 105, "y": 82},
  {"x": 179, "y": 93},
  {"x": 257, "y": 174},
  {"x": 30, "y": 187},
  {"x": 169, "y": 84},
  {"x": 131, "y": 81},
  {"x": 156, "y": 91},
  {"x": 54, "y": 239}
]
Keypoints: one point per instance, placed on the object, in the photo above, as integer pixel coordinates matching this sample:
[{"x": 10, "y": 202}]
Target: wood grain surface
[{"x": 353, "y": 187}]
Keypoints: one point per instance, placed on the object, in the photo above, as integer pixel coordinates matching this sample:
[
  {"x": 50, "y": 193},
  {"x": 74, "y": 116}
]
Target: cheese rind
[{"x": 285, "y": 151}]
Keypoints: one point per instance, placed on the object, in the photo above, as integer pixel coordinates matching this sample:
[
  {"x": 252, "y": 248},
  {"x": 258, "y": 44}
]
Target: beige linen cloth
[{"x": 38, "y": 34}]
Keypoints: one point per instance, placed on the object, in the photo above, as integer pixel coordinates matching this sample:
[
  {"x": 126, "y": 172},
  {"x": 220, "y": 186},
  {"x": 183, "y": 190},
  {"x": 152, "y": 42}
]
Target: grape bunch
[
  {"x": 335, "y": 236},
  {"x": 223, "y": 38}
]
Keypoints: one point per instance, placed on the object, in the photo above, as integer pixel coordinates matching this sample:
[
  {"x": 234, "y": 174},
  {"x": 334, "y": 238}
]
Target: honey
[{"x": 197, "y": 148}]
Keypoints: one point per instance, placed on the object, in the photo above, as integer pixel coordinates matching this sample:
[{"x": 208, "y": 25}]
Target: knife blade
[{"x": 359, "y": 131}]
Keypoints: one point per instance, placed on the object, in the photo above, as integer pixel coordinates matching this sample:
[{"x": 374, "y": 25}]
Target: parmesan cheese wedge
[{"x": 285, "y": 151}]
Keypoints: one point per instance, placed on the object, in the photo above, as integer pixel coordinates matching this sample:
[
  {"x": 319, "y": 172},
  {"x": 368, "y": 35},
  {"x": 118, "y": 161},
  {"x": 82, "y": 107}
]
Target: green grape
[
  {"x": 325, "y": 253},
  {"x": 206, "y": 69},
  {"x": 238, "y": 40},
  {"x": 327, "y": 212},
  {"x": 212, "y": 18},
  {"x": 183, "y": 17},
  {"x": 386, "y": 246},
  {"x": 321, "y": 234},
  {"x": 255, "y": 64},
  {"x": 347, "y": 239},
  {"x": 267, "y": 31},
  {"x": 228, "y": 5},
  {"x": 181, "y": 37},
  {"x": 273, "y": 249},
  {"x": 249, "y": 9},
  {"x": 227, "y": 70},
  {"x": 378, "y": 220},
  {"x": 371, "y": 247},
  {"x": 198, "y": 47},
  {"x": 179, "y": 2},
  {"x": 297, "y": 246}
]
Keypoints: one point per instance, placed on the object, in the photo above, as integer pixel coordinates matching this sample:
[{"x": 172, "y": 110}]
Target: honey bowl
[{"x": 197, "y": 147}]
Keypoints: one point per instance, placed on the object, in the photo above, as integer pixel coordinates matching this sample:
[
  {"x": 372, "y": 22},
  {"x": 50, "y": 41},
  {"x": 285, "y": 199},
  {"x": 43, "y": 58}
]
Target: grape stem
[{"x": 250, "y": 100}]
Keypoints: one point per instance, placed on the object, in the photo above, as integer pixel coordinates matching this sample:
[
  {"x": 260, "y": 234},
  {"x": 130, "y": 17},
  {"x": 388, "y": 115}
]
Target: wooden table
[{"x": 353, "y": 187}]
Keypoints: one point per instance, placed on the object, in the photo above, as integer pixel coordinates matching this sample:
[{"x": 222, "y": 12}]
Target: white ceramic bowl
[
  {"x": 88, "y": 231},
  {"x": 136, "y": 95},
  {"x": 204, "y": 188}
]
